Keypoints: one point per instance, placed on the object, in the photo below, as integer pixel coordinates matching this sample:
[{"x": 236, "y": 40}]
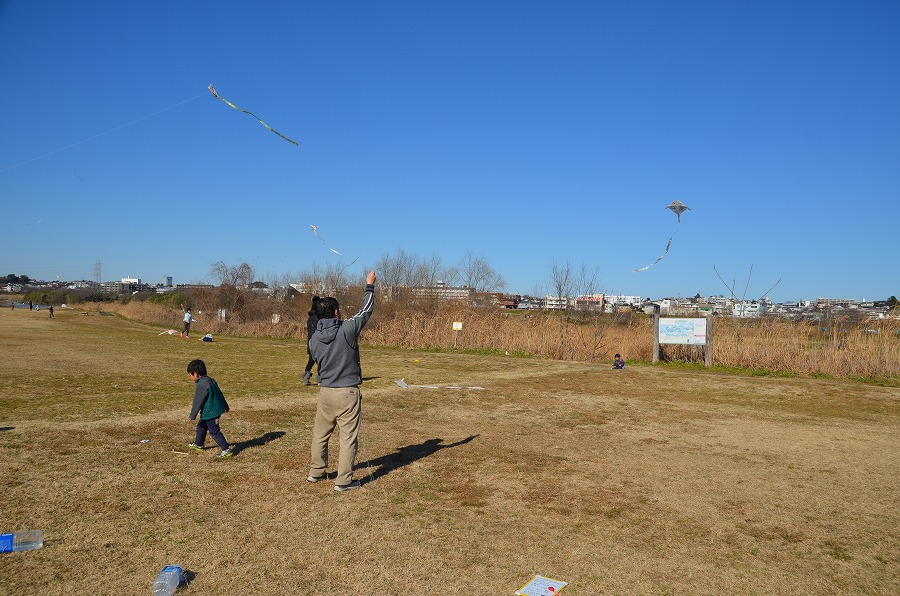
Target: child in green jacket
[{"x": 210, "y": 404}]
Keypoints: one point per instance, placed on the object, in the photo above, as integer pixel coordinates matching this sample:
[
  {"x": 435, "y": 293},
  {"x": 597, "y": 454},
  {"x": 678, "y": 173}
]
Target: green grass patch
[{"x": 877, "y": 381}]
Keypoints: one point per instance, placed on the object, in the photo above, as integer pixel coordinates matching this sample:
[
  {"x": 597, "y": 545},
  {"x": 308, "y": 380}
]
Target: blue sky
[{"x": 523, "y": 132}]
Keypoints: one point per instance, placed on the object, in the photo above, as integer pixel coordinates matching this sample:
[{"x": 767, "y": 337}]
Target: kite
[
  {"x": 170, "y": 332},
  {"x": 678, "y": 208},
  {"x": 217, "y": 96},
  {"x": 404, "y": 385},
  {"x": 542, "y": 586},
  {"x": 314, "y": 231}
]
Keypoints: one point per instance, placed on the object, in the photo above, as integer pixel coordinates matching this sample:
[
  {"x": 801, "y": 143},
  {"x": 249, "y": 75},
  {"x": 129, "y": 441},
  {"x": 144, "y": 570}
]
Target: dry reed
[{"x": 841, "y": 349}]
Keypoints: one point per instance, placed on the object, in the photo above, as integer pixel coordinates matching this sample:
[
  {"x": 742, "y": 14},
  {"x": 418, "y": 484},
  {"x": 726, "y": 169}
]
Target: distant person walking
[
  {"x": 311, "y": 320},
  {"x": 335, "y": 346},
  {"x": 50, "y": 306},
  {"x": 30, "y": 305},
  {"x": 188, "y": 317}
]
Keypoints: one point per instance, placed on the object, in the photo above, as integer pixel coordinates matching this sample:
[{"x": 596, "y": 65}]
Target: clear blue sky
[{"x": 521, "y": 131}]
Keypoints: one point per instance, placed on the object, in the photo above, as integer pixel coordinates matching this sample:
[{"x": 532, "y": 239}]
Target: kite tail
[
  {"x": 668, "y": 246},
  {"x": 217, "y": 96}
]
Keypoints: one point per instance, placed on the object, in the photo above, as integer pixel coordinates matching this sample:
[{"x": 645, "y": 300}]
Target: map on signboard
[{"x": 682, "y": 331}]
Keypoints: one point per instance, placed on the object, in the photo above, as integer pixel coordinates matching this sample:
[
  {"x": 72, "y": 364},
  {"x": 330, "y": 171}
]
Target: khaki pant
[{"x": 341, "y": 407}]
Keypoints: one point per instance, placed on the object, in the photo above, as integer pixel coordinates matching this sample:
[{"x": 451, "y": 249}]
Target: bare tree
[
  {"x": 450, "y": 276},
  {"x": 428, "y": 272},
  {"x": 562, "y": 282},
  {"x": 584, "y": 316},
  {"x": 235, "y": 276},
  {"x": 232, "y": 280},
  {"x": 479, "y": 275},
  {"x": 594, "y": 322},
  {"x": 396, "y": 270}
]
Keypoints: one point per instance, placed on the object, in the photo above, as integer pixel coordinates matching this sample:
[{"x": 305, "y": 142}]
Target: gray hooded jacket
[{"x": 335, "y": 345}]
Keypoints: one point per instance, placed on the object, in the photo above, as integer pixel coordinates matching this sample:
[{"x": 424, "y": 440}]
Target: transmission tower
[{"x": 97, "y": 272}]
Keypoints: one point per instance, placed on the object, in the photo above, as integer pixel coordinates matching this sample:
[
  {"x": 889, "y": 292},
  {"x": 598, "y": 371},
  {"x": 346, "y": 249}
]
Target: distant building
[
  {"x": 832, "y": 302},
  {"x": 115, "y": 287},
  {"x": 303, "y": 288},
  {"x": 665, "y": 306},
  {"x": 748, "y": 309},
  {"x": 529, "y": 303},
  {"x": 614, "y": 303},
  {"x": 592, "y": 302},
  {"x": 458, "y": 293},
  {"x": 555, "y": 302}
]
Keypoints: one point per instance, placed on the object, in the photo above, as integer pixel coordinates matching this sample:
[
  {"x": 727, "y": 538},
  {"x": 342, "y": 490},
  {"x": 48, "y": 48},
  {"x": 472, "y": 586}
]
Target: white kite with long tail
[{"x": 678, "y": 207}]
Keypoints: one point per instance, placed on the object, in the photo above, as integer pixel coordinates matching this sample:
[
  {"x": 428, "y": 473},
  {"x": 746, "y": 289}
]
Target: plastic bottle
[
  {"x": 167, "y": 581},
  {"x": 26, "y": 540}
]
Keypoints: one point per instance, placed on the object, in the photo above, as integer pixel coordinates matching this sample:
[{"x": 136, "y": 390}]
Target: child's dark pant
[{"x": 211, "y": 425}]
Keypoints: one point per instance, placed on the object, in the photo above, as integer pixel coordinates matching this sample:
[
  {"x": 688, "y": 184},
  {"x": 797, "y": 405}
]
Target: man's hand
[{"x": 370, "y": 278}]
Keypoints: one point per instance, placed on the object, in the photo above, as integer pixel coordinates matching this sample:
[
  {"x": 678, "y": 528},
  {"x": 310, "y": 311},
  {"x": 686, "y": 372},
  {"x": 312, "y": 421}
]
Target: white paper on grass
[{"x": 541, "y": 586}]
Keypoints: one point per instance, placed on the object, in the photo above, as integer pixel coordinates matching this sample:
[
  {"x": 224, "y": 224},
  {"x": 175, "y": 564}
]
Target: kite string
[{"x": 102, "y": 133}]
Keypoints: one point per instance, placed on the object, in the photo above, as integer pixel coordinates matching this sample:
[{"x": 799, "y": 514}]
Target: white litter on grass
[
  {"x": 404, "y": 385},
  {"x": 145, "y": 440}
]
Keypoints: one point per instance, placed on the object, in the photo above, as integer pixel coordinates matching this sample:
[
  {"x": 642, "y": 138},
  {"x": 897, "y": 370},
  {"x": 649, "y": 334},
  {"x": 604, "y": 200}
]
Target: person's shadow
[
  {"x": 405, "y": 456},
  {"x": 258, "y": 441}
]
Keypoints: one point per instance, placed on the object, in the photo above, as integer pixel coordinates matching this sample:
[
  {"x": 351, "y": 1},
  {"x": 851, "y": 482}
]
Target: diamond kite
[{"x": 678, "y": 207}]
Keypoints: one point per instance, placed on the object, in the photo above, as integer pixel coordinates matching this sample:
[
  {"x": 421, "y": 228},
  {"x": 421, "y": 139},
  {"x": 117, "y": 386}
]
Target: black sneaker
[
  {"x": 226, "y": 453},
  {"x": 339, "y": 489}
]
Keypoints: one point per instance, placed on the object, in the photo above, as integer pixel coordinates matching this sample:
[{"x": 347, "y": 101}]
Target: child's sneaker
[
  {"x": 226, "y": 453},
  {"x": 195, "y": 447}
]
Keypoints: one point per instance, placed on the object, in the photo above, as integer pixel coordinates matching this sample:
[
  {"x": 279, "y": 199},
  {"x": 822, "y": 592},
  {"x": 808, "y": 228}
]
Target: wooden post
[
  {"x": 656, "y": 336},
  {"x": 708, "y": 348}
]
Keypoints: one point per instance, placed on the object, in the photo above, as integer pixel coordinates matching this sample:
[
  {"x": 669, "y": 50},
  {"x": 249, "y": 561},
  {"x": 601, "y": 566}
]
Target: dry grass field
[
  {"x": 651, "y": 480},
  {"x": 866, "y": 349}
]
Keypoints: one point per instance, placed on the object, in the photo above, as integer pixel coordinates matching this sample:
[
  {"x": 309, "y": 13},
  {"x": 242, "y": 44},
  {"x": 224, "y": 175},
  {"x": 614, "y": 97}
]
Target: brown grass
[
  {"x": 651, "y": 480},
  {"x": 842, "y": 349}
]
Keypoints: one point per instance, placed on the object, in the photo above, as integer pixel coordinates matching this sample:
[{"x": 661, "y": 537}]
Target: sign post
[
  {"x": 692, "y": 332},
  {"x": 457, "y": 327}
]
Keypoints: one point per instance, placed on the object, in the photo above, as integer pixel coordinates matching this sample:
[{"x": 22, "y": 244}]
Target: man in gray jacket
[{"x": 335, "y": 346}]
